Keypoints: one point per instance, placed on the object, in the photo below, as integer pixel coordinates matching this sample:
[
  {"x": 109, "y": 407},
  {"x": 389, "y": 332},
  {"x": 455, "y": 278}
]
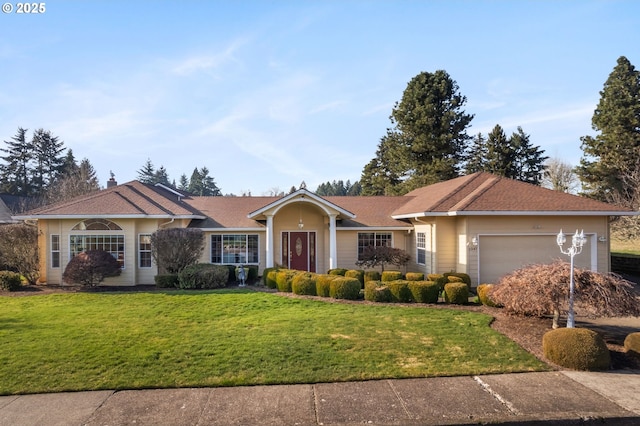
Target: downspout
[{"x": 173, "y": 219}]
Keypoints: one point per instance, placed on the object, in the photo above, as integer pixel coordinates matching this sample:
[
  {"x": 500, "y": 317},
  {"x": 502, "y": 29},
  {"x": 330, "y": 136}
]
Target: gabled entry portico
[{"x": 299, "y": 222}]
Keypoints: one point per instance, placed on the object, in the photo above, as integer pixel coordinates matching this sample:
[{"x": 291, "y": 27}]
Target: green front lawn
[{"x": 89, "y": 341}]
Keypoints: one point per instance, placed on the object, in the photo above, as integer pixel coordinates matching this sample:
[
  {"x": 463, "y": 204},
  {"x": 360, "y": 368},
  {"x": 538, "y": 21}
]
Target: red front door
[{"x": 301, "y": 250}]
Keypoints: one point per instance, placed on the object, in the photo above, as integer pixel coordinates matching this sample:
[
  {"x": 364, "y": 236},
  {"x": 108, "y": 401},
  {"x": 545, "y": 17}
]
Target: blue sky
[{"x": 267, "y": 94}]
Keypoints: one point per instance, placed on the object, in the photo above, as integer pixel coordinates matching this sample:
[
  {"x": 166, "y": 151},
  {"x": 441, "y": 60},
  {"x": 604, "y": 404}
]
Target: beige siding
[
  {"x": 506, "y": 243},
  {"x": 446, "y": 245}
]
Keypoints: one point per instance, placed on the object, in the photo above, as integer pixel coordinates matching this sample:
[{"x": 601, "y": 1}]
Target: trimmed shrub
[
  {"x": 632, "y": 344},
  {"x": 439, "y": 279},
  {"x": 464, "y": 277},
  {"x": 424, "y": 291},
  {"x": 283, "y": 280},
  {"x": 400, "y": 291},
  {"x": 166, "y": 280},
  {"x": 203, "y": 275},
  {"x": 323, "y": 284},
  {"x": 10, "y": 281},
  {"x": 356, "y": 273},
  {"x": 337, "y": 271},
  {"x": 372, "y": 276},
  {"x": 376, "y": 291},
  {"x": 344, "y": 288},
  {"x": 304, "y": 283},
  {"x": 269, "y": 277},
  {"x": 90, "y": 268},
  {"x": 576, "y": 348},
  {"x": 456, "y": 293},
  {"x": 414, "y": 276},
  {"x": 453, "y": 279},
  {"x": 252, "y": 274},
  {"x": 484, "y": 295},
  {"x": 391, "y": 275}
]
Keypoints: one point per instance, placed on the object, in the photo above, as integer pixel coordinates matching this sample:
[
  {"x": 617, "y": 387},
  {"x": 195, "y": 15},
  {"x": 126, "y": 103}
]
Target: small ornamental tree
[
  {"x": 374, "y": 256},
  {"x": 90, "y": 268},
  {"x": 19, "y": 250},
  {"x": 174, "y": 249},
  {"x": 544, "y": 290}
]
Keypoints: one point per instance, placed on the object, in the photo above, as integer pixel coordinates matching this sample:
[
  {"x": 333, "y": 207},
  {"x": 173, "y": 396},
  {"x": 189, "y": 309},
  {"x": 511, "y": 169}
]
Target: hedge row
[
  {"x": 10, "y": 281},
  {"x": 347, "y": 284}
]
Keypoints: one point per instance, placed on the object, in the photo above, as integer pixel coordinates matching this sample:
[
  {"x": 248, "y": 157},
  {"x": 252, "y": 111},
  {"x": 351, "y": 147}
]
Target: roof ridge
[
  {"x": 473, "y": 195},
  {"x": 457, "y": 190}
]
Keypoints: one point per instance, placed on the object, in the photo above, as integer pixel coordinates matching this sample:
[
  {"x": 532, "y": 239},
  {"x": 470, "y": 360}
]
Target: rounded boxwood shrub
[
  {"x": 439, "y": 279},
  {"x": 345, "y": 288},
  {"x": 484, "y": 295},
  {"x": 454, "y": 279},
  {"x": 356, "y": 273},
  {"x": 456, "y": 293},
  {"x": 424, "y": 291},
  {"x": 203, "y": 275},
  {"x": 323, "y": 284},
  {"x": 391, "y": 275},
  {"x": 576, "y": 348},
  {"x": 377, "y": 291},
  {"x": 400, "y": 291},
  {"x": 283, "y": 280},
  {"x": 632, "y": 344},
  {"x": 464, "y": 277},
  {"x": 304, "y": 283},
  {"x": 414, "y": 276},
  {"x": 337, "y": 271},
  {"x": 269, "y": 277},
  {"x": 166, "y": 280},
  {"x": 372, "y": 276},
  {"x": 10, "y": 281}
]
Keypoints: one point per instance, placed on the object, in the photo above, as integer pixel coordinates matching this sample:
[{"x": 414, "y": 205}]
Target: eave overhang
[{"x": 516, "y": 213}]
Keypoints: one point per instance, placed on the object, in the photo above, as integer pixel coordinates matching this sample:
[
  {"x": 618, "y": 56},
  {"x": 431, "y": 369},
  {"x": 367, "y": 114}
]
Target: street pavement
[{"x": 541, "y": 398}]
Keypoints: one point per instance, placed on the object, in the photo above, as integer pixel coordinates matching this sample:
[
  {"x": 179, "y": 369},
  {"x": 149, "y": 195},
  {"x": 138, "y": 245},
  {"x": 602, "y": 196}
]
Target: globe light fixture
[{"x": 577, "y": 242}]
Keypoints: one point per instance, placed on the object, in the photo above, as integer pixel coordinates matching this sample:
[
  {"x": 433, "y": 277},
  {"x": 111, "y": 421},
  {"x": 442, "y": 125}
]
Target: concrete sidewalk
[{"x": 567, "y": 397}]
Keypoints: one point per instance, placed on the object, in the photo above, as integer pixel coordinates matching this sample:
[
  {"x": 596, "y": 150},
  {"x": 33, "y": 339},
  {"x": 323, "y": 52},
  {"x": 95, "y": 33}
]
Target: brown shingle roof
[
  {"x": 485, "y": 193},
  {"x": 131, "y": 199}
]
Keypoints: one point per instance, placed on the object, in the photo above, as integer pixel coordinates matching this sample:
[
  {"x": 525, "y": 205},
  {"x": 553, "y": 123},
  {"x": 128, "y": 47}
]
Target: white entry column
[
  {"x": 269, "y": 242},
  {"x": 333, "y": 245}
]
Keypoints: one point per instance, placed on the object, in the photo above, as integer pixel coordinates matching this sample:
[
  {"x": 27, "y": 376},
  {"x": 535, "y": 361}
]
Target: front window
[
  {"x": 55, "y": 251},
  {"x": 144, "y": 250},
  {"x": 421, "y": 248},
  {"x": 113, "y": 244},
  {"x": 234, "y": 248},
  {"x": 366, "y": 239}
]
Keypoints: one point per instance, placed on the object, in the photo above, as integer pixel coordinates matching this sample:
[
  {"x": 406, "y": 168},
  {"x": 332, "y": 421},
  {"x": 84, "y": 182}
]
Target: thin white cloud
[{"x": 203, "y": 62}]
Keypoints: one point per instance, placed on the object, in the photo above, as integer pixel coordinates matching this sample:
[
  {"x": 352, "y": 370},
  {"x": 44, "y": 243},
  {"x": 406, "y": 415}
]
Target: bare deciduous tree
[
  {"x": 174, "y": 249},
  {"x": 19, "y": 250},
  {"x": 380, "y": 255},
  {"x": 543, "y": 289},
  {"x": 559, "y": 176}
]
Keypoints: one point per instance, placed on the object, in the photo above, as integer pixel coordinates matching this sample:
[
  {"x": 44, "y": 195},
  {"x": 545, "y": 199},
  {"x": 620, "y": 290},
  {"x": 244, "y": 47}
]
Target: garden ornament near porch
[
  {"x": 577, "y": 242},
  {"x": 241, "y": 275}
]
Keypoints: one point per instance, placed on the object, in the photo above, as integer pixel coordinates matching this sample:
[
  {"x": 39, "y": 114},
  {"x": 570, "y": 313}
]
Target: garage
[{"x": 502, "y": 254}]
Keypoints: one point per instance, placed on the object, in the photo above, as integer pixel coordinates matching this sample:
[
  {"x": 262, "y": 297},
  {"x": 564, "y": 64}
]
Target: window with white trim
[
  {"x": 55, "y": 251},
  {"x": 235, "y": 249},
  {"x": 421, "y": 248},
  {"x": 366, "y": 239},
  {"x": 144, "y": 250},
  {"x": 113, "y": 244}
]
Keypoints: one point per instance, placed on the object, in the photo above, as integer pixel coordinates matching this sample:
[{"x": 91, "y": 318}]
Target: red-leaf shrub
[{"x": 90, "y": 268}]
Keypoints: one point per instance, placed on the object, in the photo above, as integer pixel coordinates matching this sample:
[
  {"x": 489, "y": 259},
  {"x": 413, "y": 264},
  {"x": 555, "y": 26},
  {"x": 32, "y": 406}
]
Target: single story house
[{"x": 480, "y": 224}]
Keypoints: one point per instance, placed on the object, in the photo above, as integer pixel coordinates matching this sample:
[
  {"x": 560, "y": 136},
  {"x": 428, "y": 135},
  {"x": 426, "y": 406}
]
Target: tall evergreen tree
[
  {"x": 529, "y": 159},
  {"x": 476, "y": 154},
  {"x": 384, "y": 174},
  {"x": 202, "y": 184},
  {"x": 500, "y": 154},
  {"x": 161, "y": 176},
  {"x": 15, "y": 173},
  {"x": 184, "y": 183},
  {"x": 48, "y": 159},
  {"x": 429, "y": 135},
  {"x": 76, "y": 180},
  {"x": 610, "y": 166},
  {"x": 147, "y": 174}
]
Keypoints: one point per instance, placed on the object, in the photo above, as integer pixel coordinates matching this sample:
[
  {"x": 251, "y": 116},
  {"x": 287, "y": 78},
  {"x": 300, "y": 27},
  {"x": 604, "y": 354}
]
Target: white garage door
[{"x": 500, "y": 254}]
